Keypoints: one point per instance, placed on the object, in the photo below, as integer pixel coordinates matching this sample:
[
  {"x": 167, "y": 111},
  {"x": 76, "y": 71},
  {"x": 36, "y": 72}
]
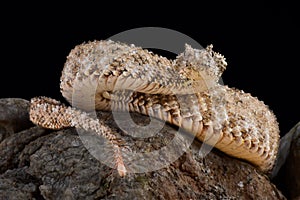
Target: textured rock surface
[
  {"x": 18, "y": 184},
  {"x": 13, "y": 116},
  {"x": 288, "y": 178},
  {"x": 43, "y": 164}
]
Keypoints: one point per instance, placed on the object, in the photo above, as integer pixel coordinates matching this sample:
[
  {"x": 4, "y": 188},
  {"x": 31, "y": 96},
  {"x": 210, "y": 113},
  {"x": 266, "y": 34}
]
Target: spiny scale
[{"x": 184, "y": 92}]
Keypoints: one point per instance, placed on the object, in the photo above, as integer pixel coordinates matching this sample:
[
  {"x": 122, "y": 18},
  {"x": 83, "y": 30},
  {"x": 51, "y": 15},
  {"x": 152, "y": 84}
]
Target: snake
[{"x": 185, "y": 92}]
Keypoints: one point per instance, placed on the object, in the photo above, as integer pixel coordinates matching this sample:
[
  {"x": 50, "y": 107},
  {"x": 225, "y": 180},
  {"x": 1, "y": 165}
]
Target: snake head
[
  {"x": 49, "y": 113},
  {"x": 203, "y": 64}
]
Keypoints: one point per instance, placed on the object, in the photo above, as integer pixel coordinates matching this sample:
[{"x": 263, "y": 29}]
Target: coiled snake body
[{"x": 184, "y": 92}]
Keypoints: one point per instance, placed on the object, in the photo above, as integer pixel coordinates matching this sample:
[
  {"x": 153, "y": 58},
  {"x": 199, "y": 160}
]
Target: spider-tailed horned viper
[{"x": 133, "y": 79}]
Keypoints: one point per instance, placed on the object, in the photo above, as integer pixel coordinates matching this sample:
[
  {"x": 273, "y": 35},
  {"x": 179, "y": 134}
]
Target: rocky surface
[
  {"x": 288, "y": 178},
  {"x": 13, "y": 116},
  {"x": 42, "y": 164}
]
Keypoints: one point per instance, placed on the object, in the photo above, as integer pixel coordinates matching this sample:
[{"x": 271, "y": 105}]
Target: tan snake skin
[{"x": 184, "y": 92}]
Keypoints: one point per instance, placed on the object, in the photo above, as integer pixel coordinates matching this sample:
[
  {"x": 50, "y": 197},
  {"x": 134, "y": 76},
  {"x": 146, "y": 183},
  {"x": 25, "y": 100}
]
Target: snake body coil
[{"x": 184, "y": 92}]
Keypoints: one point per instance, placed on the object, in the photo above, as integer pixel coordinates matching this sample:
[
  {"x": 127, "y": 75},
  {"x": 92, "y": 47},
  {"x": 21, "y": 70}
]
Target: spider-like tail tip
[{"x": 121, "y": 169}]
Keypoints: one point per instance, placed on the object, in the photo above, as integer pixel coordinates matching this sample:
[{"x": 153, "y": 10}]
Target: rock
[
  {"x": 68, "y": 171},
  {"x": 11, "y": 146},
  {"x": 18, "y": 184},
  {"x": 13, "y": 116},
  {"x": 283, "y": 152},
  {"x": 288, "y": 178},
  {"x": 42, "y": 164}
]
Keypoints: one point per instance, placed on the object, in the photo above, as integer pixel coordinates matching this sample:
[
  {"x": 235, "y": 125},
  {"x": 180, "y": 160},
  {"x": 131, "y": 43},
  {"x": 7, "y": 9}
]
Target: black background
[{"x": 259, "y": 40}]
